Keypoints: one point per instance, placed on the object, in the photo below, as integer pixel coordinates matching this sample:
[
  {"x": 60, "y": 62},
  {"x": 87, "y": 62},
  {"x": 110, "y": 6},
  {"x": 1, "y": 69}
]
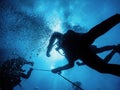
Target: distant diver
[
  {"x": 11, "y": 72},
  {"x": 78, "y": 46}
]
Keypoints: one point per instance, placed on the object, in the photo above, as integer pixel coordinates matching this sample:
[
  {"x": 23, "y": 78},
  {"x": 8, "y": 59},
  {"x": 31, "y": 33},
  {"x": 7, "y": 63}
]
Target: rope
[
  {"x": 62, "y": 77},
  {"x": 70, "y": 81},
  {"x": 41, "y": 69}
]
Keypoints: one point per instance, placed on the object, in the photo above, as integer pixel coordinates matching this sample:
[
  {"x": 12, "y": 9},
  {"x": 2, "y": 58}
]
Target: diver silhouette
[
  {"x": 11, "y": 72},
  {"x": 77, "y": 46}
]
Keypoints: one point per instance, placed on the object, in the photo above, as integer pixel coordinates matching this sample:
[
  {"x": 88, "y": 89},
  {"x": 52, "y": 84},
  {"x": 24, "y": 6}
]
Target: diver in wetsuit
[
  {"x": 8, "y": 82},
  {"x": 77, "y": 46},
  {"x": 11, "y": 72}
]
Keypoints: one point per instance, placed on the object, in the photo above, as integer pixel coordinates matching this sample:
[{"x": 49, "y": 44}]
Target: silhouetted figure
[
  {"x": 77, "y": 46},
  {"x": 11, "y": 71}
]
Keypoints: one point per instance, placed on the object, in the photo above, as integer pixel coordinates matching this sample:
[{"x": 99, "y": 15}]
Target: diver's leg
[
  {"x": 95, "y": 62},
  {"x": 109, "y": 56},
  {"x": 114, "y": 48},
  {"x": 105, "y": 48},
  {"x": 103, "y": 27}
]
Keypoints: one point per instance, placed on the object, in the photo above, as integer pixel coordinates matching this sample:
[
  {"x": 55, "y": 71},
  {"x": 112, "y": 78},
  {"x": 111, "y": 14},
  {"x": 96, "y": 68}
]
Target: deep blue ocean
[{"x": 25, "y": 30}]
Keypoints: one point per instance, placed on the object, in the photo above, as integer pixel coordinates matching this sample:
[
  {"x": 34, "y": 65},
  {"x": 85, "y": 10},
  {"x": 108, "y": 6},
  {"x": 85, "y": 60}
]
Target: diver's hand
[
  {"x": 48, "y": 54},
  {"x": 57, "y": 70},
  {"x": 31, "y": 69},
  {"x": 31, "y": 63}
]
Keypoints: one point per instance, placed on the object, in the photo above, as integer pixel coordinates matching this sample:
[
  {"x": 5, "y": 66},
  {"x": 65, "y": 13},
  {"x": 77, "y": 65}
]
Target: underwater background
[{"x": 25, "y": 29}]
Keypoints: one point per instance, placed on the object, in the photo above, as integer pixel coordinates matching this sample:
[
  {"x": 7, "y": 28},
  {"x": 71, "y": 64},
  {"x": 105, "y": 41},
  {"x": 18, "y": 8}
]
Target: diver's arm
[
  {"x": 67, "y": 66},
  {"x": 55, "y": 35}
]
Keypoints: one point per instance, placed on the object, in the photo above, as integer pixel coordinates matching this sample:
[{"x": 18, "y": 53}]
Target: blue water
[{"x": 25, "y": 29}]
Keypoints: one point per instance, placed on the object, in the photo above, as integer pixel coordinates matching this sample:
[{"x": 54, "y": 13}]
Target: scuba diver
[
  {"x": 78, "y": 46},
  {"x": 11, "y": 72}
]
